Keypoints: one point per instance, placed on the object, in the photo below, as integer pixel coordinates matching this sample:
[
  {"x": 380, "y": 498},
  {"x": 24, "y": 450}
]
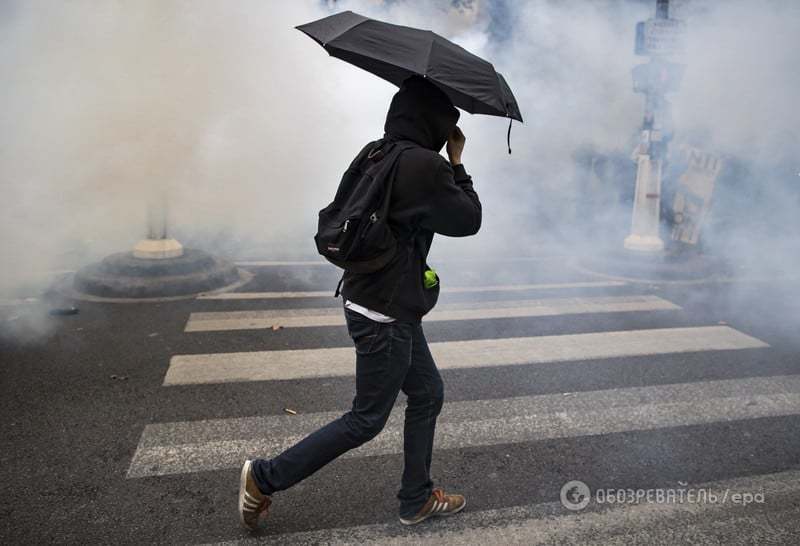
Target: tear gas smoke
[{"x": 244, "y": 125}]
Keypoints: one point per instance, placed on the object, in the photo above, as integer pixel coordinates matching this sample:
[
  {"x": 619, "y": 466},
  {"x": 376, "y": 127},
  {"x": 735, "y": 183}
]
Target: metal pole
[
  {"x": 646, "y": 220},
  {"x": 662, "y": 9},
  {"x": 157, "y": 217},
  {"x": 157, "y": 245}
]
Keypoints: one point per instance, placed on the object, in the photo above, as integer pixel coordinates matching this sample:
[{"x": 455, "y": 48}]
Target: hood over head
[{"x": 422, "y": 113}]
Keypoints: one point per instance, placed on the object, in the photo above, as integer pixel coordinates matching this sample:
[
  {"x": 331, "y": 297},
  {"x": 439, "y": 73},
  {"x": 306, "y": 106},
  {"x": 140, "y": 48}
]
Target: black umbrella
[{"x": 395, "y": 52}]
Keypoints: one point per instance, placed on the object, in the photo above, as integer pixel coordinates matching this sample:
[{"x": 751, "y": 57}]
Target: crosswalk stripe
[
  {"x": 333, "y": 316},
  {"x": 447, "y": 289},
  {"x": 339, "y": 361},
  {"x": 273, "y": 263},
  {"x": 18, "y": 301},
  {"x": 550, "y": 523},
  {"x": 184, "y": 447}
]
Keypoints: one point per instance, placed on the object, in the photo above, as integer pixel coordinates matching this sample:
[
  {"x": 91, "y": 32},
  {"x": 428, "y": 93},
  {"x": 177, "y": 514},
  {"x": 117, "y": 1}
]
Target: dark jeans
[{"x": 389, "y": 358}]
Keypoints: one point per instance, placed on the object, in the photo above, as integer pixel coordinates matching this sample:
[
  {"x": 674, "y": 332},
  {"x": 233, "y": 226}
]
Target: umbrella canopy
[{"x": 395, "y": 52}]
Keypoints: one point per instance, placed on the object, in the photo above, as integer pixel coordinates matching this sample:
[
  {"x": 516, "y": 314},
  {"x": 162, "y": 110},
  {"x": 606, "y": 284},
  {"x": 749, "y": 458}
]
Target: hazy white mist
[{"x": 245, "y": 125}]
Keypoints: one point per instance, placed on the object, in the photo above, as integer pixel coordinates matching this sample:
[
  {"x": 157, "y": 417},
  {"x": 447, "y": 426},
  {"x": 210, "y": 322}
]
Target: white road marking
[
  {"x": 334, "y": 316},
  {"x": 447, "y": 289},
  {"x": 273, "y": 263},
  {"x": 340, "y": 361},
  {"x": 18, "y": 301},
  {"x": 195, "y": 446}
]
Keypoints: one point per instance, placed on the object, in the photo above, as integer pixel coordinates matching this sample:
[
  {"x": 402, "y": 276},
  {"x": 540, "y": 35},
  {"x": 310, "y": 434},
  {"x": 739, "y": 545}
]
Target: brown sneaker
[
  {"x": 252, "y": 502},
  {"x": 438, "y": 504}
]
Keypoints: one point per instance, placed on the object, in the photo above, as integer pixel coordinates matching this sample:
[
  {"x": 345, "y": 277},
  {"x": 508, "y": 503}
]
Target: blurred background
[{"x": 243, "y": 126}]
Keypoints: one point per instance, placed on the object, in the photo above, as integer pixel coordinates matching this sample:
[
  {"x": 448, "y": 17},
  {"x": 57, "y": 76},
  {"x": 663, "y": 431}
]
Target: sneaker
[
  {"x": 438, "y": 504},
  {"x": 252, "y": 502}
]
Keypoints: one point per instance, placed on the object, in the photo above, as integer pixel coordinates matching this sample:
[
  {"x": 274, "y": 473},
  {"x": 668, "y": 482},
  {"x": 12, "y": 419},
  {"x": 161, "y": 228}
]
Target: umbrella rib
[
  {"x": 430, "y": 49},
  {"x": 335, "y": 48},
  {"x": 346, "y": 30},
  {"x": 325, "y": 43}
]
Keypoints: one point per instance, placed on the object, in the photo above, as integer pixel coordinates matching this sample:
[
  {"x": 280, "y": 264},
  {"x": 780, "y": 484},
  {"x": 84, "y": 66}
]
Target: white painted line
[
  {"x": 550, "y": 523},
  {"x": 524, "y": 287},
  {"x": 340, "y": 361},
  {"x": 445, "y": 290},
  {"x": 272, "y": 263},
  {"x": 713, "y": 279},
  {"x": 298, "y": 318},
  {"x": 18, "y": 301},
  {"x": 265, "y": 295},
  {"x": 175, "y": 448}
]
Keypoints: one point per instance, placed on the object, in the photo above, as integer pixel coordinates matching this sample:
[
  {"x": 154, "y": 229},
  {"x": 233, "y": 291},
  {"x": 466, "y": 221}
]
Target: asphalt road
[{"x": 688, "y": 391}]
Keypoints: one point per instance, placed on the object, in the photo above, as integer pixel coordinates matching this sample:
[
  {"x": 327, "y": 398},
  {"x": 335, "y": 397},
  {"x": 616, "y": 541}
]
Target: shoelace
[{"x": 439, "y": 494}]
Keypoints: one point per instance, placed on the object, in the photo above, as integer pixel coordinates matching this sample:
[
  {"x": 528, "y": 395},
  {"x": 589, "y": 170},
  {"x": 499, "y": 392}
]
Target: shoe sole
[
  {"x": 242, "y": 488},
  {"x": 432, "y": 515}
]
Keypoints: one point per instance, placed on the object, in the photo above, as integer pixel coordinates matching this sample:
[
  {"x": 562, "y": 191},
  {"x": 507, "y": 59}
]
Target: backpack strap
[
  {"x": 339, "y": 286},
  {"x": 384, "y": 150}
]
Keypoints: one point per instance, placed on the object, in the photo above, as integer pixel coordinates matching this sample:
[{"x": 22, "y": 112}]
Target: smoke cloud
[{"x": 244, "y": 125}]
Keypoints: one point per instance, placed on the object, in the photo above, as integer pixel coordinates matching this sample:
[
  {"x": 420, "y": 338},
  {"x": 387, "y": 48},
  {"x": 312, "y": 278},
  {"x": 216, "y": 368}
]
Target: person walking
[{"x": 384, "y": 310}]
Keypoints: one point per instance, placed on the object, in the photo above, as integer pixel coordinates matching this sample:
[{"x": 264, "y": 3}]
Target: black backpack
[{"x": 353, "y": 231}]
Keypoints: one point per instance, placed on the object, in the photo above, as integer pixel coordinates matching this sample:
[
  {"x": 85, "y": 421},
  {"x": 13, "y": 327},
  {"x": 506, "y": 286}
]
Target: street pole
[
  {"x": 644, "y": 236},
  {"x": 662, "y": 39},
  {"x": 653, "y": 81},
  {"x": 662, "y": 9},
  {"x": 157, "y": 245},
  {"x": 158, "y": 266}
]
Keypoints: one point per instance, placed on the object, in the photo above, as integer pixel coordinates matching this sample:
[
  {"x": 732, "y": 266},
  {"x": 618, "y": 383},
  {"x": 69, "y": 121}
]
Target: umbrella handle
[{"x": 508, "y": 136}]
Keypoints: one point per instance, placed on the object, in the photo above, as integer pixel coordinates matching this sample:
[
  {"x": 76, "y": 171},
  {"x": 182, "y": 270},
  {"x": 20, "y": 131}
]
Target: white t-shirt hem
[{"x": 369, "y": 313}]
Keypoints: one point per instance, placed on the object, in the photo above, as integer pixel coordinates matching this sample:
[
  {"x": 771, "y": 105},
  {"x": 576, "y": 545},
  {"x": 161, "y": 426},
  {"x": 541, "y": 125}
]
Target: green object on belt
[{"x": 430, "y": 279}]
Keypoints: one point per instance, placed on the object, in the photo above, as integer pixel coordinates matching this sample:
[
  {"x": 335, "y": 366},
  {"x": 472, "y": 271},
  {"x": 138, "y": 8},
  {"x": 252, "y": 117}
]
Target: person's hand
[{"x": 455, "y": 145}]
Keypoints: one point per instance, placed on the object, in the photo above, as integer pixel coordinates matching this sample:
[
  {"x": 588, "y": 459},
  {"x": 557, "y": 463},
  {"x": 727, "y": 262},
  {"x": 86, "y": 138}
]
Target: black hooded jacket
[{"x": 428, "y": 196}]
